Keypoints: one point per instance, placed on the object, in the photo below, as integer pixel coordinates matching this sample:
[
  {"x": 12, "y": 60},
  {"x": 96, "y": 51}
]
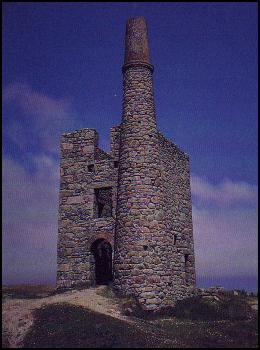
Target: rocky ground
[{"x": 28, "y": 314}]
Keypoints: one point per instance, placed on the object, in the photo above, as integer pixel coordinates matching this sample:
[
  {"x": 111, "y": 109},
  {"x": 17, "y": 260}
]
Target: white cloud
[
  {"x": 33, "y": 102},
  {"x": 30, "y": 211},
  {"x": 225, "y": 234},
  {"x": 225, "y": 237},
  {"x": 42, "y": 118},
  {"x": 34, "y": 121},
  {"x": 225, "y": 242},
  {"x": 224, "y": 193}
]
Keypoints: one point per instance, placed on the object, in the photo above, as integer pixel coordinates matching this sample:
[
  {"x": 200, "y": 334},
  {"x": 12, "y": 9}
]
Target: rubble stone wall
[
  {"x": 146, "y": 179},
  {"x": 84, "y": 167},
  {"x": 141, "y": 261},
  {"x": 177, "y": 206}
]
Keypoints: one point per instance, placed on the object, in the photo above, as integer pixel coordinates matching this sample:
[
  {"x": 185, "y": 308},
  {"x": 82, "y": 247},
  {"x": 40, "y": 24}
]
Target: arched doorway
[{"x": 102, "y": 252}]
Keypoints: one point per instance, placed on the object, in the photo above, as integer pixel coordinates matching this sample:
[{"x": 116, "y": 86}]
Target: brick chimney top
[{"x": 136, "y": 44}]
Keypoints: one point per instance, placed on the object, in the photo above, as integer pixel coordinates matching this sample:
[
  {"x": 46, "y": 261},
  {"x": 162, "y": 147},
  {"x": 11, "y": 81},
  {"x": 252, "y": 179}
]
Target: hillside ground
[{"x": 38, "y": 317}]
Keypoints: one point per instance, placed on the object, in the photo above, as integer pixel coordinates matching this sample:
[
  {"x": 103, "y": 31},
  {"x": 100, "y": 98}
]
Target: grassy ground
[
  {"x": 64, "y": 325},
  {"x": 212, "y": 334},
  {"x": 193, "y": 323},
  {"x": 5, "y": 342}
]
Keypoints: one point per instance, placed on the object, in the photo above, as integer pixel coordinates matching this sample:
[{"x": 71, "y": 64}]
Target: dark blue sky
[
  {"x": 205, "y": 79},
  {"x": 62, "y": 71}
]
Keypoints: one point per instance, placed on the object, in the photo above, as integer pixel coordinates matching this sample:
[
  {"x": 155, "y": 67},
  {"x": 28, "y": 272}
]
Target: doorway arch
[{"x": 102, "y": 252}]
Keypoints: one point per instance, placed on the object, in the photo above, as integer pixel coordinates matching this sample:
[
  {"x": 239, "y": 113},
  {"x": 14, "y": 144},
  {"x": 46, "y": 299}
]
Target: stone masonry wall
[
  {"x": 115, "y": 141},
  {"x": 178, "y": 220},
  {"x": 139, "y": 259},
  {"x": 84, "y": 168},
  {"x": 154, "y": 258},
  {"x": 146, "y": 178}
]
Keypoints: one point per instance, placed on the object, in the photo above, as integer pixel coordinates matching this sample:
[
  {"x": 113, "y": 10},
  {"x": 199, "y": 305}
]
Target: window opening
[
  {"x": 103, "y": 202},
  {"x": 91, "y": 168}
]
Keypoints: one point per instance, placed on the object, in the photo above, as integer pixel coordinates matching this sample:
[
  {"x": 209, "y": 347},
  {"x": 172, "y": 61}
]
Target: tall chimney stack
[
  {"x": 132, "y": 205},
  {"x": 138, "y": 221},
  {"x": 136, "y": 43}
]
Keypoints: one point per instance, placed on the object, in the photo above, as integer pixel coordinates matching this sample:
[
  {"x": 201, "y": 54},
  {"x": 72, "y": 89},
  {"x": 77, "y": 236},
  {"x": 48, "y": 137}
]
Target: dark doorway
[{"x": 102, "y": 251}]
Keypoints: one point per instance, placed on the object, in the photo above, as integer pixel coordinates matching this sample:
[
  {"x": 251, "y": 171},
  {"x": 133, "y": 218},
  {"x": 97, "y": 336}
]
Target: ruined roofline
[
  {"x": 108, "y": 153},
  {"x": 165, "y": 139},
  {"x": 117, "y": 127},
  {"x": 78, "y": 130}
]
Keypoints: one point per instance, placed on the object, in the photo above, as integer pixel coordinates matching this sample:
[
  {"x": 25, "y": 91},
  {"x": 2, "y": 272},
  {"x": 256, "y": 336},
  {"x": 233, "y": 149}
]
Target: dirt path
[{"x": 17, "y": 313}]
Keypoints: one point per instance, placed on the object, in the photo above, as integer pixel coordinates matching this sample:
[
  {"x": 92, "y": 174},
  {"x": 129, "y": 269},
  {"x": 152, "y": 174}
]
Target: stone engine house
[{"x": 125, "y": 216}]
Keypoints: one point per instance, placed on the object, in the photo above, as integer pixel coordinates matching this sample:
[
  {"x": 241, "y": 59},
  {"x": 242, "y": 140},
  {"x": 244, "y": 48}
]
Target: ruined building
[{"x": 125, "y": 215}]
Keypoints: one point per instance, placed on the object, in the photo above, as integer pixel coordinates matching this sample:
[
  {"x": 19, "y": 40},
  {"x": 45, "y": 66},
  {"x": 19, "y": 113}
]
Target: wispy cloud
[
  {"x": 30, "y": 207},
  {"x": 225, "y": 234},
  {"x": 35, "y": 103},
  {"x": 225, "y": 193},
  {"x": 225, "y": 242},
  {"x": 42, "y": 118},
  {"x": 225, "y": 237}
]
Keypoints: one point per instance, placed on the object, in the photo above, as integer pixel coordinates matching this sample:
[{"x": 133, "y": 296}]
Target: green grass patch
[
  {"x": 5, "y": 341},
  {"x": 211, "y": 334},
  {"x": 64, "y": 325},
  {"x": 198, "y": 308},
  {"x": 227, "y": 307}
]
